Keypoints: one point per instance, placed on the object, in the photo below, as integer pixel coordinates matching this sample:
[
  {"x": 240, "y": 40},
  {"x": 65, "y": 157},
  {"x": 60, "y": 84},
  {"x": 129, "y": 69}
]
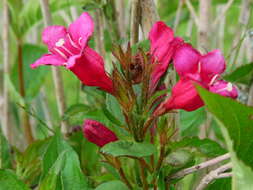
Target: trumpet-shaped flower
[
  {"x": 204, "y": 70},
  {"x": 68, "y": 47}
]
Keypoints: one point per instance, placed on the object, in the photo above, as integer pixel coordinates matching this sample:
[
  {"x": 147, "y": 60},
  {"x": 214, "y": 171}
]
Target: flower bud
[{"x": 97, "y": 133}]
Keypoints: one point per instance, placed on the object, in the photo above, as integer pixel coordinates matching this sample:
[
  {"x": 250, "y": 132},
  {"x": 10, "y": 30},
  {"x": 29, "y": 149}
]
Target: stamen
[
  {"x": 79, "y": 41},
  {"x": 60, "y": 42},
  {"x": 61, "y": 53},
  {"x": 67, "y": 50},
  {"x": 72, "y": 42},
  {"x": 199, "y": 67},
  {"x": 229, "y": 87},
  {"x": 213, "y": 79}
]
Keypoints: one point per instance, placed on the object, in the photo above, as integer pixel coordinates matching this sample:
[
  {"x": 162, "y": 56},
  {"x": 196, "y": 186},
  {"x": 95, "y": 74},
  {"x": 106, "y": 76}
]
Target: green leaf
[
  {"x": 242, "y": 174},
  {"x": 190, "y": 121},
  {"x": 205, "y": 146},
  {"x": 28, "y": 163},
  {"x": 114, "y": 108},
  {"x": 243, "y": 74},
  {"x": 127, "y": 148},
  {"x": 9, "y": 181},
  {"x": 56, "y": 146},
  {"x": 61, "y": 167},
  {"x": 14, "y": 94},
  {"x": 179, "y": 158},
  {"x": 75, "y": 109},
  {"x": 112, "y": 185},
  {"x": 236, "y": 118},
  {"x": 5, "y": 152}
]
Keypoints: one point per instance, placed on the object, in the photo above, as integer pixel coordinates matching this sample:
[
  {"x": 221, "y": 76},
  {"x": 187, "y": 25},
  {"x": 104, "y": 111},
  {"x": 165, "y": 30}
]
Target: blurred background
[{"x": 31, "y": 101}]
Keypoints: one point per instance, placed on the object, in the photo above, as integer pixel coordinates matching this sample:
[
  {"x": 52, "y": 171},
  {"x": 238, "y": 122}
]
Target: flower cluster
[{"x": 69, "y": 48}]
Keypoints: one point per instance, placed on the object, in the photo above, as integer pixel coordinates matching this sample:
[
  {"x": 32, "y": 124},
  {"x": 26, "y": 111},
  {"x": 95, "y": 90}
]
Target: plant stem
[
  {"x": 147, "y": 125},
  {"x": 58, "y": 84},
  {"x": 178, "y": 15},
  {"x": 143, "y": 176},
  {"x": 25, "y": 116},
  {"x": 161, "y": 158},
  {"x": 124, "y": 178},
  {"x": 135, "y": 21},
  {"x": 6, "y": 62},
  {"x": 159, "y": 164},
  {"x": 149, "y": 15},
  {"x": 99, "y": 32},
  {"x": 200, "y": 166}
]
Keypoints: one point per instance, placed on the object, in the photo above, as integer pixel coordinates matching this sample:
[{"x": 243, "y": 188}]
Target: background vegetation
[{"x": 33, "y": 103}]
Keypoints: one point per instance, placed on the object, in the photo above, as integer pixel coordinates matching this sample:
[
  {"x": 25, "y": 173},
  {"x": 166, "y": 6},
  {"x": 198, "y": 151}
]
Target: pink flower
[
  {"x": 97, "y": 133},
  {"x": 69, "y": 48},
  {"x": 204, "y": 70},
  {"x": 163, "y": 45}
]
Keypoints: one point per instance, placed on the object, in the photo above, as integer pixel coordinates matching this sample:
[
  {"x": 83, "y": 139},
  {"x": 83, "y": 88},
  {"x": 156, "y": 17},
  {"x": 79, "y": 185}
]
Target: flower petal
[
  {"x": 160, "y": 36},
  {"x": 89, "y": 68},
  {"x": 52, "y": 34},
  {"x": 81, "y": 29},
  {"x": 186, "y": 60},
  {"x": 49, "y": 59},
  {"x": 213, "y": 63},
  {"x": 163, "y": 46},
  {"x": 184, "y": 96},
  {"x": 224, "y": 88}
]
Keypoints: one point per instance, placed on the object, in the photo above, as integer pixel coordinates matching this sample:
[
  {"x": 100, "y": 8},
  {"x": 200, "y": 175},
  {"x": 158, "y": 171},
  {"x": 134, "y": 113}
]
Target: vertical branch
[
  {"x": 242, "y": 27},
  {"x": 221, "y": 28},
  {"x": 178, "y": 15},
  {"x": 6, "y": 62},
  {"x": 204, "y": 23},
  {"x": 99, "y": 32},
  {"x": 25, "y": 117},
  {"x": 135, "y": 21},
  {"x": 250, "y": 58},
  {"x": 58, "y": 83},
  {"x": 74, "y": 13},
  {"x": 149, "y": 15},
  {"x": 121, "y": 17}
]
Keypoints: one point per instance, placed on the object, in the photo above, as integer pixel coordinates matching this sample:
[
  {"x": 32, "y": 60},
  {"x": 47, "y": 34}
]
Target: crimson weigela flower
[
  {"x": 194, "y": 68},
  {"x": 69, "y": 48}
]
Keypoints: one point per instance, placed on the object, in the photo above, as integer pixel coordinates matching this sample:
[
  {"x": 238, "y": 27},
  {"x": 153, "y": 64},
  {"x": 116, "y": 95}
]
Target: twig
[
  {"x": 225, "y": 9},
  {"x": 200, "y": 166},
  {"x": 215, "y": 174},
  {"x": 135, "y": 21},
  {"x": 193, "y": 12},
  {"x": 59, "y": 92}
]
